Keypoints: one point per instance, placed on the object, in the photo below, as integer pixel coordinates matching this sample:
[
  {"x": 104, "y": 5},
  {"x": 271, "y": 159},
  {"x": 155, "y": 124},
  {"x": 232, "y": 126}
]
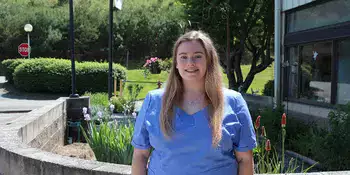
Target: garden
[{"x": 109, "y": 123}]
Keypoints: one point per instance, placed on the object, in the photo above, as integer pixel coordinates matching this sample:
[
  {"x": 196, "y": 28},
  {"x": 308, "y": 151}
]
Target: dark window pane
[
  {"x": 343, "y": 96},
  {"x": 332, "y": 12},
  {"x": 292, "y": 75},
  {"x": 315, "y": 72}
]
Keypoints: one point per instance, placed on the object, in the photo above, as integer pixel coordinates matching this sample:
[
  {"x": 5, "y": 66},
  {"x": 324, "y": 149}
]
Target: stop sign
[{"x": 23, "y": 49}]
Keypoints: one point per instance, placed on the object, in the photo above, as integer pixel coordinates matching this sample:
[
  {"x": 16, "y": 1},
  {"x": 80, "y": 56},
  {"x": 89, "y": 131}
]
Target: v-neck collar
[{"x": 185, "y": 113}]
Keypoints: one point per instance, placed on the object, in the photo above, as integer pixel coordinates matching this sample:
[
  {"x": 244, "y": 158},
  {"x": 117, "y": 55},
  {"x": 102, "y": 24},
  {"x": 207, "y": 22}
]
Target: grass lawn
[{"x": 151, "y": 82}]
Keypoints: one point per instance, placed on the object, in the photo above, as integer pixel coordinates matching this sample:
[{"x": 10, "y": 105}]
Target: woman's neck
[{"x": 193, "y": 88}]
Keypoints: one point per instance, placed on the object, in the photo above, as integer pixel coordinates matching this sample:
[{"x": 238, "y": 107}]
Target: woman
[{"x": 194, "y": 126}]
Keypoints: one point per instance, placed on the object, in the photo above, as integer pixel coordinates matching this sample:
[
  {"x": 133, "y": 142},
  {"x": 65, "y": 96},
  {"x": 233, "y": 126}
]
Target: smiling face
[{"x": 191, "y": 61}]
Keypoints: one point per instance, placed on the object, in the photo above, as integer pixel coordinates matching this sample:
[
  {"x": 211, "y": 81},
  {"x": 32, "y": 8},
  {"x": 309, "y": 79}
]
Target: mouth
[{"x": 192, "y": 71}]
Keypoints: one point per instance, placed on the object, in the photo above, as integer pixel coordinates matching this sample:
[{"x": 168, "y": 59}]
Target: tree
[{"x": 240, "y": 29}]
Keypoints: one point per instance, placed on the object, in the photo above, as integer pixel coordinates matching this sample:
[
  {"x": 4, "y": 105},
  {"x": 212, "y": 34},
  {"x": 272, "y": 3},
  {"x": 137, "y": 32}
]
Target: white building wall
[{"x": 290, "y": 4}]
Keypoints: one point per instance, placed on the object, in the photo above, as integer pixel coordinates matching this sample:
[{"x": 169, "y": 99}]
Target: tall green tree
[{"x": 240, "y": 29}]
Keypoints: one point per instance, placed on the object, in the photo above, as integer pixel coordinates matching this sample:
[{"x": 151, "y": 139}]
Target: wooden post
[
  {"x": 115, "y": 87},
  {"x": 121, "y": 88}
]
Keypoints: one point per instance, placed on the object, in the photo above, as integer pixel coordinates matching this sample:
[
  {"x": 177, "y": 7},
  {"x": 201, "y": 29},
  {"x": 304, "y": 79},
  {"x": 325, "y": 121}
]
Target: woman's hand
[
  {"x": 245, "y": 162},
  {"x": 139, "y": 161}
]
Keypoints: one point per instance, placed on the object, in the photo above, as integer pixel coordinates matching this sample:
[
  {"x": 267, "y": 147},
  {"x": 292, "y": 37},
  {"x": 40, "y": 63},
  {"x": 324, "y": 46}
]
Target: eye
[
  {"x": 183, "y": 57},
  {"x": 198, "y": 56}
]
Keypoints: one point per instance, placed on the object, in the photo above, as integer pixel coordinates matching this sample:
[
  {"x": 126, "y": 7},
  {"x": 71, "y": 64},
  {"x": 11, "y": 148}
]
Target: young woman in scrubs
[{"x": 194, "y": 125}]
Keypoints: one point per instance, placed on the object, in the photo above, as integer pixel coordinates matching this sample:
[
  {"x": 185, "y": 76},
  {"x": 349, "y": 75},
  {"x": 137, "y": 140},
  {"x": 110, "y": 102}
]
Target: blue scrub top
[{"x": 189, "y": 151}]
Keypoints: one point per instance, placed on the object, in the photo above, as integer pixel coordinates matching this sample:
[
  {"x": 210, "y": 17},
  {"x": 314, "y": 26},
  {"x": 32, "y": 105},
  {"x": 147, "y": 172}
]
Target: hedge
[
  {"x": 8, "y": 68},
  {"x": 54, "y": 76}
]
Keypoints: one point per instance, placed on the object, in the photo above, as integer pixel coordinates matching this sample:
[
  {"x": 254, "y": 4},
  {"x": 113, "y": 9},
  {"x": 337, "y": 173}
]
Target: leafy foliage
[
  {"x": 51, "y": 75},
  {"x": 269, "y": 88},
  {"x": 142, "y": 28},
  {"x": 329, "y": 146},
  {"x": 111, "y": 142},
  {"x": 245, "y": 32},
  {"x": 8, "y": 66}
]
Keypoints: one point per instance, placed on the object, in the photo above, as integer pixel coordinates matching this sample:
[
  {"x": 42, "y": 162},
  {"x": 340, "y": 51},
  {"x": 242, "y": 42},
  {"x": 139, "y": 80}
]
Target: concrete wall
[
  {"x": 45, "y": 131},
  {"x": 24, "y": 146},
  {"x": 290, "y": 4},
  {"x": 300, "y": 111}
]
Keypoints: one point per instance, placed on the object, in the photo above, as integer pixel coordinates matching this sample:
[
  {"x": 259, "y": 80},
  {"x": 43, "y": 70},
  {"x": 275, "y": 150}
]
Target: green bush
[
  {"x": 335, "y": 145},
  {"x": 165, "y": 64},
  {"x": 118, "y": 103},
  {"x": 54, "y": 75},
  {"x": 269, "y": 88},
  {"x": 8, "y": 68}
]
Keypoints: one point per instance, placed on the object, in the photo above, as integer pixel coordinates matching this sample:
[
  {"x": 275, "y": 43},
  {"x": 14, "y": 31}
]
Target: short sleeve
[
  {"x": 140, "y": 138},
  {"x": 246, "y": 139}
]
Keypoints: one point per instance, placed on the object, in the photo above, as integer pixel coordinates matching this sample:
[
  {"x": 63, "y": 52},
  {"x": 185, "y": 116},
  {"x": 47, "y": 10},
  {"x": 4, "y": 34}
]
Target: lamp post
[
  {"x": 28, "y": 28},
  {"x": 71, "y": 31},
  {"x": 118, "y": 4}
]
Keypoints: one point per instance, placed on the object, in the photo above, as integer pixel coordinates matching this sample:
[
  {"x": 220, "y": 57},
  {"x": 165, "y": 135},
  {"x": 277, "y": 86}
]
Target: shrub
[
  {"x": 269, "y": 88},
  {"x": 118, "y": 103},
  {"x": 165, "y": 64},
  {"x": 336, "y": 152},
  {"x": 153, "y": 64},
  {"x": 54, "y": 75},
  {"x": 8, "y": 67}
]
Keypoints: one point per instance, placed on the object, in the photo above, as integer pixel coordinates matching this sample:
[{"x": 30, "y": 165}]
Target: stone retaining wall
[{"x": 24, "y": 146}]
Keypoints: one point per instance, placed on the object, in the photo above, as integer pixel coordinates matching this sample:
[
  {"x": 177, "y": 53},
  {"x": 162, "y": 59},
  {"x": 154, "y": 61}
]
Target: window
[
  {"x": 315, "y": 72},
  {"x": 343, "y": 53},
  {"x": 332, "y": 12}
]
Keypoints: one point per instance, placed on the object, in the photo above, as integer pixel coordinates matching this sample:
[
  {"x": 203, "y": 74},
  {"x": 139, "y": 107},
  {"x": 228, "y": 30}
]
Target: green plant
[
  {"x": 269, "y": 88},
  {"x": 99, "y": 98},
  {"x": 111, "y": 142},
  {"x": 52, "y": 75},
  {"x": 165, "y": 64},
  {"x": 118, "y": 103},
  {"x": 153, "y": 65},
  {"x": 9, "y": 66},
  {"x": 146, "y": 73},
  {"x": 133, "y": 92},
  {"x": 335, "y": 151},
  {"x": 268, "y": 162}
]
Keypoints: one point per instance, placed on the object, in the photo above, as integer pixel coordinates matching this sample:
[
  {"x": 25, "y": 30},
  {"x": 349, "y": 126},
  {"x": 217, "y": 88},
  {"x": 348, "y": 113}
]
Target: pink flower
[
  {"x": 148, "y": 62},
  {"x": 154, "y": 59}
]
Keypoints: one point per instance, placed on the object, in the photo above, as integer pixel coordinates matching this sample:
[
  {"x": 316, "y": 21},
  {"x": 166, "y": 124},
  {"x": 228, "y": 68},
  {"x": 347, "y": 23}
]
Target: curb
[{"x": 15, "y": 111}]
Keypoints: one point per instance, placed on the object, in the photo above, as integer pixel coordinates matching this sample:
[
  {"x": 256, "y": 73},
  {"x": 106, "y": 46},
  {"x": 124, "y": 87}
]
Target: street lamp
[{"x": 28, "y": 28}]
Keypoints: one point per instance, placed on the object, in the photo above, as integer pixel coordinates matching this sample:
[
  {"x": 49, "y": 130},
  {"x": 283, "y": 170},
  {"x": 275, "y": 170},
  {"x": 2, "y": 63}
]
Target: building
[{"x": 315, "y": 55}]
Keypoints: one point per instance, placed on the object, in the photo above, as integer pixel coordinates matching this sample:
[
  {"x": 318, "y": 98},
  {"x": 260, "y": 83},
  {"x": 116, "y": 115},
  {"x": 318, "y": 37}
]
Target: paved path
[{"x": 18, "y": 103}]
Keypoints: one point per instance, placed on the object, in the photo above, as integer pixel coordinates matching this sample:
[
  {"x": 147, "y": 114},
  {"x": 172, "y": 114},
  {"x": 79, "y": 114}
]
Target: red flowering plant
[
  {"x": 153, "y": 65},
  {"x": 267, "y": 158}
]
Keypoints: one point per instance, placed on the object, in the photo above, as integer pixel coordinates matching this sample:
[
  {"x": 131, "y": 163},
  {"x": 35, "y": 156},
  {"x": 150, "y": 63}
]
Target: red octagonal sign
[{"x": 23, "y": 49}]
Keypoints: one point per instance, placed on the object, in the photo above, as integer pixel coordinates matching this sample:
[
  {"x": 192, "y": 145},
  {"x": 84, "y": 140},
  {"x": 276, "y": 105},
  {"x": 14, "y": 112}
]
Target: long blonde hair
[{"x": 213, "y": 88}]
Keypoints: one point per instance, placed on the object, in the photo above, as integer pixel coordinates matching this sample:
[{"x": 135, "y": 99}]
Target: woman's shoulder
[
  {"x": 231, "y": 94},
  {"x": 155, "y": 95}
]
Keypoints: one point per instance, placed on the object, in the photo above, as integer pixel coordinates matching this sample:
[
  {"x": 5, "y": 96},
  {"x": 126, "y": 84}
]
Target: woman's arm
[
  {"x": 139, "y": 161},
  {"x": 245, "y": 162}
]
